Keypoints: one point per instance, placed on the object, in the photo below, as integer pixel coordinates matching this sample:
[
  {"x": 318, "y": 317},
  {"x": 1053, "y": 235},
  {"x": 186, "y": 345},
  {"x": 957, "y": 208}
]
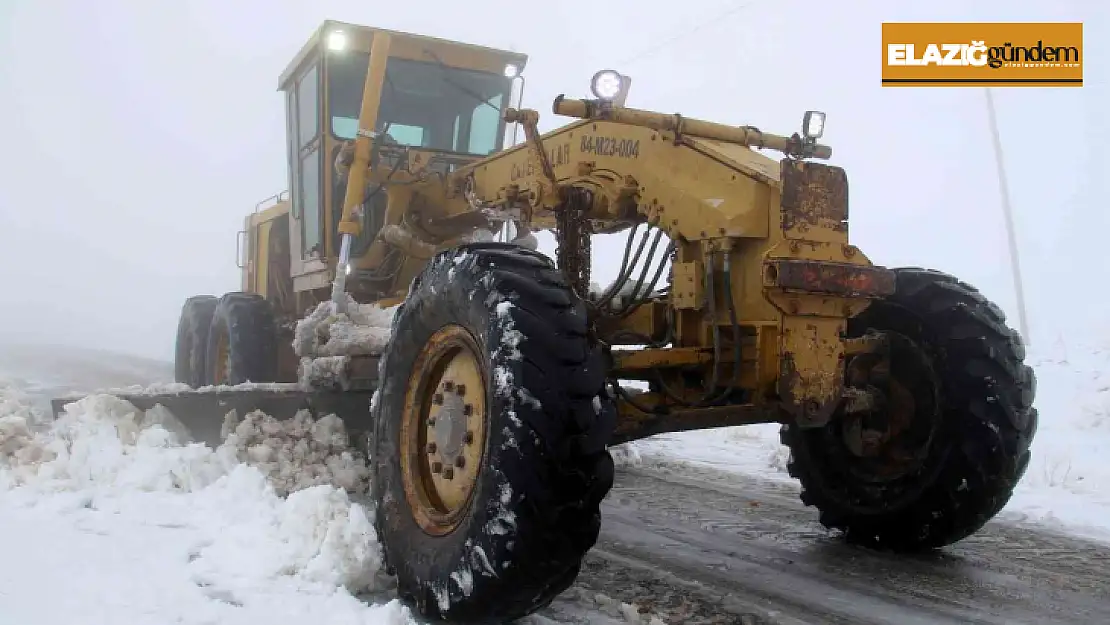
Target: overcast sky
[{"x": 137, "y": 135}]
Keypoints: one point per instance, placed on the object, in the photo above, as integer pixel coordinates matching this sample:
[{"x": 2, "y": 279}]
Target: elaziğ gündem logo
[{"x": 991, "y": 54}]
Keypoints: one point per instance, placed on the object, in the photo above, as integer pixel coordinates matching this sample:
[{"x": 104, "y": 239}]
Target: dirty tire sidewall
[
  {"x": 535, "y": 510},
  {"x": 192, "y": 339},
  {"x": 247, "y": 322},
  {"x": 987, "y": 423}
]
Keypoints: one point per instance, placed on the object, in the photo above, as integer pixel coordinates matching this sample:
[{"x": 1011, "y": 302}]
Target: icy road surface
[
  {"x": 108, "y": 520},
  {"x": 695, "y": 546}
]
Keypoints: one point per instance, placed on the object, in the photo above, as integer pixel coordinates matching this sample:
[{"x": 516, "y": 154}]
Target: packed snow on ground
[
  {"x": 1067, "y": 484},
  {"x": 107, "y": 518}
]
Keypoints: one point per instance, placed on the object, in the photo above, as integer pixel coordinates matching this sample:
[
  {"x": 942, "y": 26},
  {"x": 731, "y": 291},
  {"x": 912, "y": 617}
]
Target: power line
[{"x": 712, "y": 21}]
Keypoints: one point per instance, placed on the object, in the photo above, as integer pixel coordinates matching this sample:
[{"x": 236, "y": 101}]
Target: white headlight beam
[
  {"x": 813, "y": 125},
  {"x": 337, "y": 40},
  {"x": 607, "y": 84}
]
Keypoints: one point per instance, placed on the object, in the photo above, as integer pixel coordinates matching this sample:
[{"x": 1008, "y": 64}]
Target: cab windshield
[{"x": 424, "y": 105}]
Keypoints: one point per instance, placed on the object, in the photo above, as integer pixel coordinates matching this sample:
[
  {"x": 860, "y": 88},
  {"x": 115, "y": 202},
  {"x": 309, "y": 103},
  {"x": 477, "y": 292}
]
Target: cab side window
[
  {"x": 485, "y": 122},
  {"x": 307, "y": 155}
]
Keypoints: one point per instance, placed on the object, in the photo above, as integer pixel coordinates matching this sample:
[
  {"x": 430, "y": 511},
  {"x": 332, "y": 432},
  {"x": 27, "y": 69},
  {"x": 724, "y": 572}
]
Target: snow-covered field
[
  {"x": 1067, "y": 484},
  {"x": 39, "y": 372},
  {"x": 105, "y": 517}
]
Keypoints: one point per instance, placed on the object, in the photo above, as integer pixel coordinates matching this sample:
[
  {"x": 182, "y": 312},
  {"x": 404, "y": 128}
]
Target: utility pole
[{"x": 1008, "y": 216}]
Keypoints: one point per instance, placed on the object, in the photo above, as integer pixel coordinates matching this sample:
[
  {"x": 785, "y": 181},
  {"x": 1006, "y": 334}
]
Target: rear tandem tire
[
  {"x": 981, "y": 404},
  {"x": 533, "y": 511},
  {"x": 192, "y": 339},
  {"x": 242, "y": 341}
]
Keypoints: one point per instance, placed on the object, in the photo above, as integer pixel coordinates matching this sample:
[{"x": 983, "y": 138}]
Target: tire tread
[{"x": 988, "y": 393}]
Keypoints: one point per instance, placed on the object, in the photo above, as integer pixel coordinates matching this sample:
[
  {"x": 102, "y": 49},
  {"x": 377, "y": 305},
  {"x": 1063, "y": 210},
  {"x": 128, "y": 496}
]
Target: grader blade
[{"x": 203, "y": 412}]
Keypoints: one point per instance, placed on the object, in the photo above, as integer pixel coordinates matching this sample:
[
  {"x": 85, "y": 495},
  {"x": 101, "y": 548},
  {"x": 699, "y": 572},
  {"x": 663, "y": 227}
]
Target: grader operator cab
[{"x": 902, "y": 393}]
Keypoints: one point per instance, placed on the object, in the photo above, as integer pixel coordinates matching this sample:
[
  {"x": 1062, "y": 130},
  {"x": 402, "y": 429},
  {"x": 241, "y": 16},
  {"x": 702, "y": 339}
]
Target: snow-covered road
[{"x": 106, "y": 519}]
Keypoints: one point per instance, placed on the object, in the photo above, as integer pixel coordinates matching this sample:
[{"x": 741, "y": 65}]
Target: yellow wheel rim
[{"x": 443, "y": 429}]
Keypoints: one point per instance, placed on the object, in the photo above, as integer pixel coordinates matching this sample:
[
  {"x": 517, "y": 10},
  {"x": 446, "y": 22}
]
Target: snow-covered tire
[
  {"x": 242, "y": 341},
  {"x": 985, "y": 423},
  {"x": 192, "y": 339},
  {"x": 534, "y": 510}
]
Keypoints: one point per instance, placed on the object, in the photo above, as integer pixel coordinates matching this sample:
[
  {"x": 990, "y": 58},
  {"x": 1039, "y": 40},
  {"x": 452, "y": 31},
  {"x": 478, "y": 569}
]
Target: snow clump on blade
[{"x": 363, "y": 329}]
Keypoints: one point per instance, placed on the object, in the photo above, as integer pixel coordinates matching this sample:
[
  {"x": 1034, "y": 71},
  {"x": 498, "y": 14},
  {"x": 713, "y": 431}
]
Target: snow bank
[
  {"x": 1068, "y": 479},
  {"x": 221, "y": 531},
  {"x": 751, "y": 450}
]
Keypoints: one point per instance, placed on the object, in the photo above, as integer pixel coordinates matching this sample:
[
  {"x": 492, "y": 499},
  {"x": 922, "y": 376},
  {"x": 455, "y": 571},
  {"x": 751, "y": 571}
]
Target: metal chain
[{"x": 572, "y": 236}]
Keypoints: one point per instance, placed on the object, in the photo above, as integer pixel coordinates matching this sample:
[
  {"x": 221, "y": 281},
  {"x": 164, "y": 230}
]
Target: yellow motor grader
[{"x": 488, "y": 399}]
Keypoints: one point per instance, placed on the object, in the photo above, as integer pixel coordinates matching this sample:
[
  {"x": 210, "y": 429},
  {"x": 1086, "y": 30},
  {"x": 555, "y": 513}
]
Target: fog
[{"x": 138, "y": 135}]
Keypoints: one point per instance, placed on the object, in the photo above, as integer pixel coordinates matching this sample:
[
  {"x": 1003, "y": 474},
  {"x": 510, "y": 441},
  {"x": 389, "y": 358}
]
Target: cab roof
[{"x": 516, "y": 58}]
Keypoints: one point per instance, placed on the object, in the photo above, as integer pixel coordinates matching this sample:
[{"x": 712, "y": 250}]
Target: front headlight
[
  {"x": 813, "y": 125},
  {"x": 607, "y": 84},
  {"x": 337, "y": 40},
  {"x": 511, "y": 70}
]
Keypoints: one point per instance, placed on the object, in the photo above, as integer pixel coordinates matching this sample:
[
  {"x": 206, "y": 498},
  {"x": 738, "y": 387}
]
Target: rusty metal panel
[
  {"x": 814, "y": 195},
  {"x": 841, "y": 279},
  {"x": 811, "y": 372},
  {"x": 687, "y": 290}
]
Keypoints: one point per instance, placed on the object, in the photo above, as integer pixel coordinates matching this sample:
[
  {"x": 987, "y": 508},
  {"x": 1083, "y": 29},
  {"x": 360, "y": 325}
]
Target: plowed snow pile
[{"x": 150, "y": 530}]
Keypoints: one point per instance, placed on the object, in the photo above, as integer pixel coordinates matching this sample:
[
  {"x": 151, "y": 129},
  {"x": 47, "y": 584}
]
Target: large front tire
[
  {"x": 505, "y": 532},
  {"x": 966, "y": 444}
]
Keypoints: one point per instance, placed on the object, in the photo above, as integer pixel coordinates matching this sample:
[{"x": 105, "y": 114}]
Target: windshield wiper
[{"x": 445, "y": 68}]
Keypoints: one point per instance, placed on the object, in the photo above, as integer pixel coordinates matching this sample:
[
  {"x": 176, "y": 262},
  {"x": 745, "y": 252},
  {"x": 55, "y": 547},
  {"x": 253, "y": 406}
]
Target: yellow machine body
[{"x": 779, "y": 226}]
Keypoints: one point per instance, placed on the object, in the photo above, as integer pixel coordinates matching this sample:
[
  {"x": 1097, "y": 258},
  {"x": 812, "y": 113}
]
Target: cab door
[{"x": 306, "y": 169}]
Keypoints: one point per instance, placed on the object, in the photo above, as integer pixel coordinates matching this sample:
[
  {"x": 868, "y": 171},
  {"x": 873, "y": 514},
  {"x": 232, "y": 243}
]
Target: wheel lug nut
[
  {"x": 449, "y": 386},
  {"x": 437, "y": 467},
  {"x": 468, "y": 438},
  {"x": 431, "y": 448},
  {"x": 437, "y": 399},
  {"x": 468, "y": 410},
  {"x": 460, "y": 462},
  {"x": 448, "y": 473},
  {"x": 461, "y": 390}
]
